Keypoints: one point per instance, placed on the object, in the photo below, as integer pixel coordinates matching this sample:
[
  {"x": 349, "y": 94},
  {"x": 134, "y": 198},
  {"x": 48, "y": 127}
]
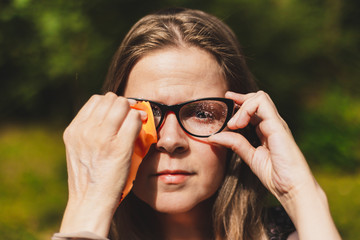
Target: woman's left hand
[{"x": 278, "y": 162}]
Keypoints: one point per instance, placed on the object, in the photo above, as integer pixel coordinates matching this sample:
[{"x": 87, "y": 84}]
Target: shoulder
[{"x": 277, "y": 223}]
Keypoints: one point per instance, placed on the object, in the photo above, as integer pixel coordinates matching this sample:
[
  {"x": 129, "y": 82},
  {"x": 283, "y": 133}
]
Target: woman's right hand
[{"x": 99, "y": 144}]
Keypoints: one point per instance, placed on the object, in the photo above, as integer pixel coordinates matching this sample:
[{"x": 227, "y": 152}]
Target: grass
[
  {"x": 344, "y": 199},
  {"x": 32, "y": 182},
  {"x": 33, "y": 188}
]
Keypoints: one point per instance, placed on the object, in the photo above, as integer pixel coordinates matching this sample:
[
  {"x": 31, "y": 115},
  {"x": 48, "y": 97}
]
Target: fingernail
[
  {"x": 212, "y": 139},
  {"x": 229, "y": 93},
  {"x": 144, "y": 116},
  {"x": 231, "y": 122},
  {"x": 132, "y": 101},
  {"x": 215, "y": 140}
]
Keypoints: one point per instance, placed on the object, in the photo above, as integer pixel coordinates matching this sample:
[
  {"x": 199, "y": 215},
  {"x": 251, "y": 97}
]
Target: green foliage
[
  {"x": 334, "y": 120},
  {"x": 53, "y": 49}
]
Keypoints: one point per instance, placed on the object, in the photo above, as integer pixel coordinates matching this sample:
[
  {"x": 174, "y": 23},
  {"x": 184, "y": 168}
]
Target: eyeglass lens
[{"x": 203, "y": 117}]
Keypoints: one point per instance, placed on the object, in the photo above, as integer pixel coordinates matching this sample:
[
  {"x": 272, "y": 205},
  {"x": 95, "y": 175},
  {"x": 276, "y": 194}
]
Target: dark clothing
[{"x": 278, "y": 224}]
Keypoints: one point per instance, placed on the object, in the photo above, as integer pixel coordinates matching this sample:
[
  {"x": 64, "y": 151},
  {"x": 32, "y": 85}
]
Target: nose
[{"x": 172, "y": 139}]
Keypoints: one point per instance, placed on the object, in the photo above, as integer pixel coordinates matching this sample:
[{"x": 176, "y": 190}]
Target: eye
[
  {"x": 203, "y": 114},
  {"x": 156, "y": 110}
]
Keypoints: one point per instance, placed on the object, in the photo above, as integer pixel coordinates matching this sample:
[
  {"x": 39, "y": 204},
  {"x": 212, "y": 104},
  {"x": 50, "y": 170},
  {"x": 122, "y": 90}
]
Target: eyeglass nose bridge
[{"x": 165, "y": 110}]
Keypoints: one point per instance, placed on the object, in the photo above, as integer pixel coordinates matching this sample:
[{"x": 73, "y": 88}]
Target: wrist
[
  {"x": 88, "y": 215},
  {"x": 308, "y": 208},
  {"x": 302, "y": 193},
  {"x": 299, "y": 198}
]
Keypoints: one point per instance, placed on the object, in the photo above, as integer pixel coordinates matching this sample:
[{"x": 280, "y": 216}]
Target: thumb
[
  {"x": 236, "y": 142},
  {"x": 256, "y": 158}
]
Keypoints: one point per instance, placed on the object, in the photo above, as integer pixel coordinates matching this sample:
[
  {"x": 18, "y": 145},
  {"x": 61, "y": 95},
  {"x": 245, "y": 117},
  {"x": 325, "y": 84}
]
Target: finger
[
  {"x": 256, "y": 158},
  {"x": 102, "y": 108},
  {"x": 236, "y": 142},
  {"x": 254, "y": 109},
  {"x": 132, "y": 102},
  {"x": 116, "y": 115},
  {"x": 88, "y": 107},
  {"x": 131, "y": 127},
  {"x": 238, "y": 97},
  {"x": 254, "y": 120},
  {"x": 239, "y": 100},
  {"x": 143, "y": 114}
]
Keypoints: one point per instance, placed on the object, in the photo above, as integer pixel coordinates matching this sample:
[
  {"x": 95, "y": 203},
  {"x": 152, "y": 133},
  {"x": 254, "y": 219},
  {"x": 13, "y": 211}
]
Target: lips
[{"x": 173, "y": 176}]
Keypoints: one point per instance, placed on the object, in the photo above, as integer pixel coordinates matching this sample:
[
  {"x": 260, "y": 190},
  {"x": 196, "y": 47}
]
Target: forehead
[{"x": 175, "y": 75}]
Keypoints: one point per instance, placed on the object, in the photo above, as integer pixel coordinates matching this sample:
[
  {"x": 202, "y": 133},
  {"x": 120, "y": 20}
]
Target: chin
[
  {"x": 175, "y": 203},
  {"x": 173, "y": 208}
]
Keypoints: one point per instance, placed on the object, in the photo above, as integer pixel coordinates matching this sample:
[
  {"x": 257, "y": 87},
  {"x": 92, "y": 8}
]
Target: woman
[{"x": 199, "y": 181}]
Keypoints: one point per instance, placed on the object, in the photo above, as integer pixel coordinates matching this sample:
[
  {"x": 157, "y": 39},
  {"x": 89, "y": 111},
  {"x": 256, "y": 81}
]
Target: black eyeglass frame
[{"x": 176, "y": 110}]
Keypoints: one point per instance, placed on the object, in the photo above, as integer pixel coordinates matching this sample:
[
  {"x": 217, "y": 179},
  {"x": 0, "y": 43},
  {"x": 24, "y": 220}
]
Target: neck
[{"x": 195, "y": 224}]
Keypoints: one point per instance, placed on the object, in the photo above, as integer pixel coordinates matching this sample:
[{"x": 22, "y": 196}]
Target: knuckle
[
  {"x": 110, "y": 95},
  {"x": 67, "y": 134},
  {"x": 122, "y": 102},
  {"x": 262, "y": 94},
  {"x": 95, "y": 97}
]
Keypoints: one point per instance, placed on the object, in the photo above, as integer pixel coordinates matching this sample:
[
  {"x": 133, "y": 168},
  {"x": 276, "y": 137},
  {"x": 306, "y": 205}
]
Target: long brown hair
[{"x": 238, "y": 204}]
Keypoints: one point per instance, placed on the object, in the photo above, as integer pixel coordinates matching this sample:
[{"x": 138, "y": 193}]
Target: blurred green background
[{"x": 54, "y": 55}]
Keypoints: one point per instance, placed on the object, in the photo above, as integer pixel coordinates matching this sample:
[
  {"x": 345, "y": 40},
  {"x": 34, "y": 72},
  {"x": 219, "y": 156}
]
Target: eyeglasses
[{"x": 200, "y": 118}]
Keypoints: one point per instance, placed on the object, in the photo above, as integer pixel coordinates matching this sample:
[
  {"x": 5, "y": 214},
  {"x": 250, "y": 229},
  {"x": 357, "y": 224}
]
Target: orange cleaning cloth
[{"x": 147, "y": 136}]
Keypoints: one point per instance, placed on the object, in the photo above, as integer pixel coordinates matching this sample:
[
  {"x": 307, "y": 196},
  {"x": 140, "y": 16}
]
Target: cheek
[
  {"x": 213, "y": 166},
  {"x": 214, "y": 155}
]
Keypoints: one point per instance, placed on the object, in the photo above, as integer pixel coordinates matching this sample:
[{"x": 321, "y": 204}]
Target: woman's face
[{"x": 181, "y": 171}]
